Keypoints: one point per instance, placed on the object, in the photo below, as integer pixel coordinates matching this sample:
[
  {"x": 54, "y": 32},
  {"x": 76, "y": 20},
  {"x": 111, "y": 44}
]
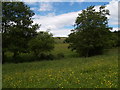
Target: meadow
[{"x": 99, "y": 71}]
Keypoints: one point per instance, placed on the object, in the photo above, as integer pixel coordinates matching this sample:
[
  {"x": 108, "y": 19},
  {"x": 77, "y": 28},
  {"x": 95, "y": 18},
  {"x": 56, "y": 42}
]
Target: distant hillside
[{"x": 59, "y": 39}]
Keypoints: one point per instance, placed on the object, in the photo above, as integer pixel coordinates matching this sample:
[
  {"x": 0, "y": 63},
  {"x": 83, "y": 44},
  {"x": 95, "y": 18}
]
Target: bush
[
  {"x": 60, "y": 55},
  {"x": 50, "y": 57},
  {"x": 42, "y": 44},
  {"x": 45, "y": 57},
  {"x": 26, "y": 57}
]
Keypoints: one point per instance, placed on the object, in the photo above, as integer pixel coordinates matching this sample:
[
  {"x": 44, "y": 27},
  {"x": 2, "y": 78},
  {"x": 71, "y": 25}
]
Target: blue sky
[
  {"x": 64, "y": 7},
  {"x": 59, "y": 17}
]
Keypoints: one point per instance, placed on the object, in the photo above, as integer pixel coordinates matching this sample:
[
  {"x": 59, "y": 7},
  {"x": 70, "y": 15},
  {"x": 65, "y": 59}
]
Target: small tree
[
  {"x": 91, "y": 34},
  {"x": 41, "y": 44}
]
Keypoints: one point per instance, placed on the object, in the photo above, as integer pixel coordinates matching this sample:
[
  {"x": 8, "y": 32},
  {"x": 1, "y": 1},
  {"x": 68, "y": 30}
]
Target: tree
[
  {"x": 41, "y": 44},
  {"x": 17, "y": 27},
  {"x": 115, "y": 38},
  {"x": 91, "y": 34}
]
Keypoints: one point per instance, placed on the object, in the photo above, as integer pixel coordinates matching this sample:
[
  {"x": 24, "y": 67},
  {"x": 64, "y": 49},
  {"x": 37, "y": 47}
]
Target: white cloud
[
  {"x": 61, "y": 32},
  {"x": 113, "y": 8},
  {"x": 28, "y": 2},
  {"x": 33, "y": 8},
  {"x": 115, "y": 29},
  {"x": 58, "y": 23},
  {"x": 45, "y": 7},
  {"x": 72, "y": 1},
  {"x": 51, "y": 14}
]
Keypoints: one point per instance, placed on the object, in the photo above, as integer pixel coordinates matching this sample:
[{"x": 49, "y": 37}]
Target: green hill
[{"x": 70, "y": 72}]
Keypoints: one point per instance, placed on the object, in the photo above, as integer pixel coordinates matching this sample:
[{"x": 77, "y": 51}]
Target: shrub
[
  {"x": 42, "y": 44},
  {"x": 26, "y": 57},
  {"x": 60, "y": 56}
]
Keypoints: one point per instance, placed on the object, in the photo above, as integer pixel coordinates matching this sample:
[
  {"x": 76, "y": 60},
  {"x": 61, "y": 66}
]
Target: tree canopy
[
  {"x": 41, "y": 44},
  {"x": 92, "y": 33},
  {"x": 17, "y": 27}
]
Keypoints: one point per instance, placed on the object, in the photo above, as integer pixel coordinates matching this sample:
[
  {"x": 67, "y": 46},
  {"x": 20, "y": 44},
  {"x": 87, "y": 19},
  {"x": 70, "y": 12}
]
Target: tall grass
[{"x": 93, "y": 72}]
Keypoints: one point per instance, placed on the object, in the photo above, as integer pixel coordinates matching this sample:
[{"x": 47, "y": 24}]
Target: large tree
[
  {"x": 17, "y": 27},
  {"x": 91, "y": 34}
]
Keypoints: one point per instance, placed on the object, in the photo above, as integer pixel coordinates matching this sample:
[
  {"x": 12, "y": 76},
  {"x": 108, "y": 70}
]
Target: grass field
[{"x": 70, "y": 72}]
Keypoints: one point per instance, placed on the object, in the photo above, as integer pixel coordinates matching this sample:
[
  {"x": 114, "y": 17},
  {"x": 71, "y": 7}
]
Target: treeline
[
  {"x": 22, "y": 43},
  {"x": 115, "y": 38},
  {"x": 20, "y": 37}
]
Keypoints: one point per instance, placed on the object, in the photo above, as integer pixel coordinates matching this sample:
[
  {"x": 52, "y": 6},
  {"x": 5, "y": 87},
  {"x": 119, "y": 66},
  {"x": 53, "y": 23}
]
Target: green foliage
[
  {"x": 60, "y": 55},
  {"x": 115, "y": 39},
  {"x": 59, "y": 52},
  {"x": 17, "y": 27},
  {"x": 92, "y": 72},
  {"x": 42, "y": 44},
  {"x": 91, "y": 34},
  {"x": 118, "y": 38}
]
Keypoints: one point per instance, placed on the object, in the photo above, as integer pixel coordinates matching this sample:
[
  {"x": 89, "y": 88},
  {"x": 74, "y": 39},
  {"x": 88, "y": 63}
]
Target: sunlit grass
[
  {"x": 62, "y": 48},
  {"x": 93, "y": 72}
]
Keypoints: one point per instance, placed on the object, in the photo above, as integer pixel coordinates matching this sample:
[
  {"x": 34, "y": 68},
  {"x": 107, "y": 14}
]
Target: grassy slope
[{"x": 98, "y": 71}]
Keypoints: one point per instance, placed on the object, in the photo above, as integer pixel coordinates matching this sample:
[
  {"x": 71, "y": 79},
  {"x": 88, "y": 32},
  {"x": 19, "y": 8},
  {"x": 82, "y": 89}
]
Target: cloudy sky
[{"x": 59, "y": 17}]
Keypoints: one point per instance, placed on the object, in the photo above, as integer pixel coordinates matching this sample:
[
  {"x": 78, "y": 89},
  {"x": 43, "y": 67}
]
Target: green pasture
[{"x": 69, "y": 72}]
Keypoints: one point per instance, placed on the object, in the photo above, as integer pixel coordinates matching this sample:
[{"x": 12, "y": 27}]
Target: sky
[{"x": 58, "y": 17}]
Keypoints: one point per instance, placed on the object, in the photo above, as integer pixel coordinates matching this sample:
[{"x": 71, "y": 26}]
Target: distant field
[
  {"x": 70, "y": 72},
  {"x": 59, "y": 39},
  {"x": 61, "y": 47}
]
